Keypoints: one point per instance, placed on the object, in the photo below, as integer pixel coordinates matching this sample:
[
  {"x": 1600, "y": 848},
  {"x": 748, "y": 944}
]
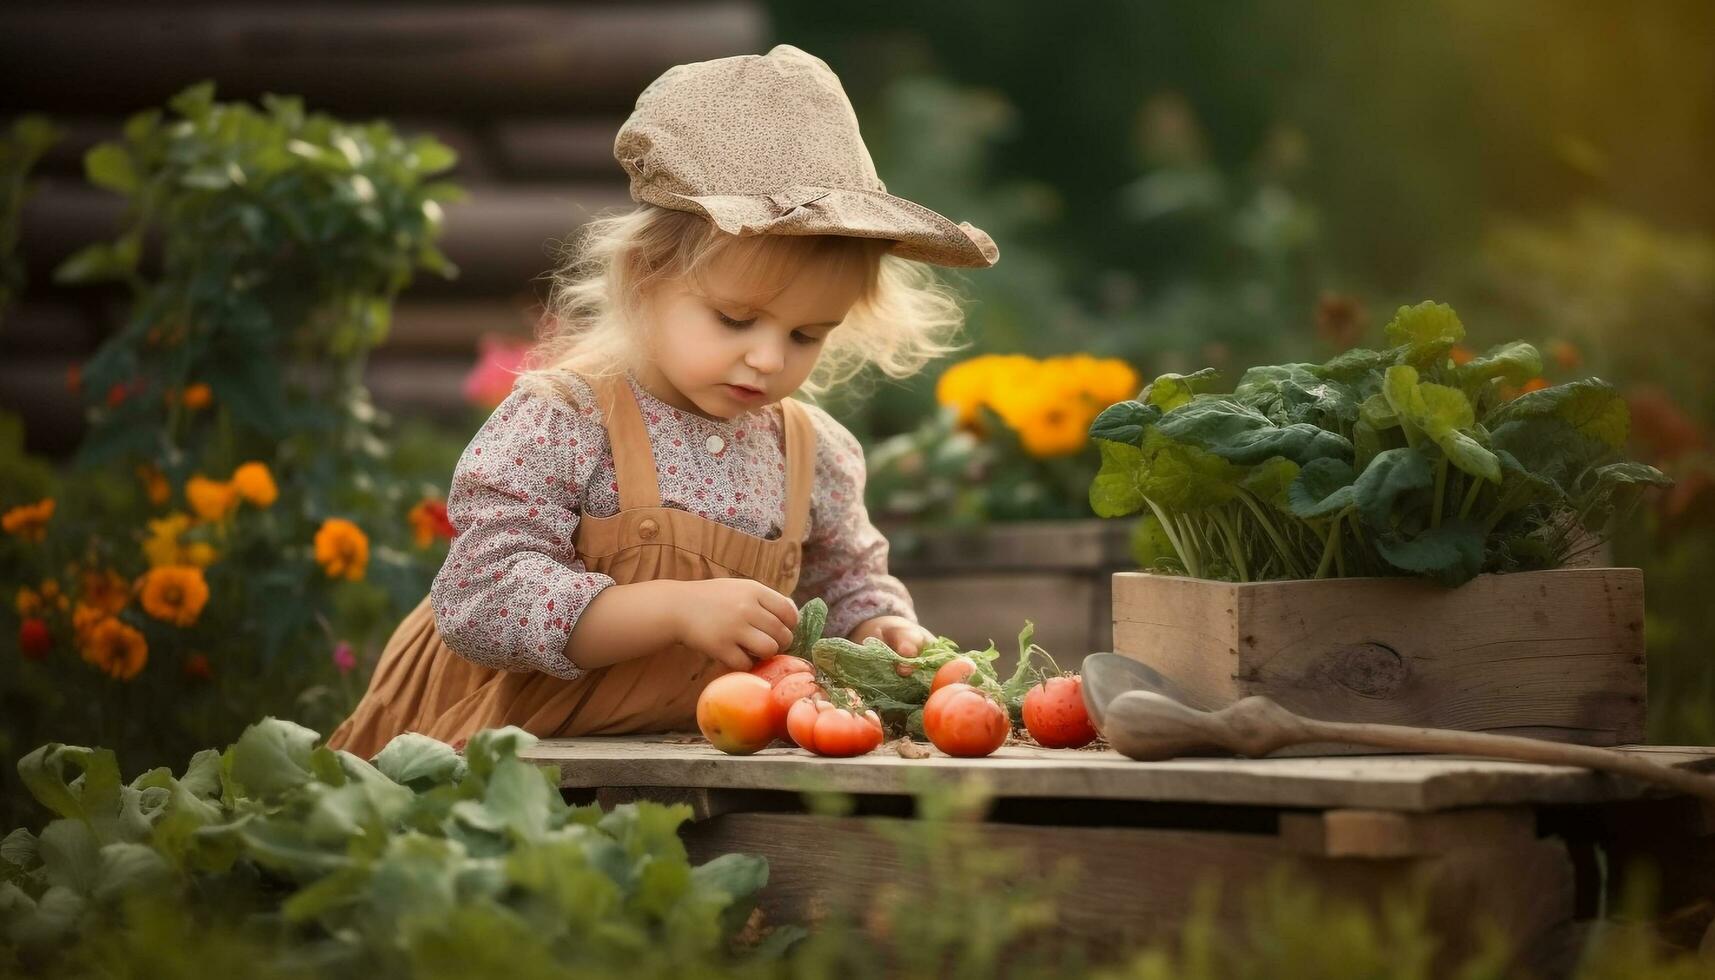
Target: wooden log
[
  {"x": 380, "y": 57},
  {"x": 557, "y": 147},
  {"x": 1553, "y": 654}
]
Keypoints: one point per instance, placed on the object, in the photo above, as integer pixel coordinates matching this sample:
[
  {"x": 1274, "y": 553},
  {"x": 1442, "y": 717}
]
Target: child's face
[{"x": 710, "y": 348}]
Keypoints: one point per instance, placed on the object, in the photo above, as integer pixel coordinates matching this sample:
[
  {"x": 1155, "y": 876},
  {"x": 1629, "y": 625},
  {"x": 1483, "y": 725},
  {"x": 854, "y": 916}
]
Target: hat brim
[{"x": 917, "y": 232}]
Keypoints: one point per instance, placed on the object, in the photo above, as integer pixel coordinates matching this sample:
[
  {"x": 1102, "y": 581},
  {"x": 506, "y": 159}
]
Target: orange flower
[
  {"x": 116, "y": 648},
  {"x": 106, "y": 590},
  {"x": 197, "y": 396},
  {"x": 255, "y": 484},
  {"x": 342, "y": 549},
  {"x": 1461, "y": 354},
  {"x": 429, "y": 521},
  {"x": 213, "y": 500},
  {"x": 155, "y": 484},
  {"x": 1565, "y": 355},
  {"x": 164, "y": 545},
  {"x": 174, "y": 593},
  {"x": 29, "y": 521},
  {"x": 1534, "y": 384},
  {"x": 84, "y": 619},
  {"x": 29, "y": 602}
]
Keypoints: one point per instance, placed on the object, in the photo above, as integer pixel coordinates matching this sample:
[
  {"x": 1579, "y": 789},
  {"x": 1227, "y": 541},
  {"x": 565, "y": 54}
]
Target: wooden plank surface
[{"x": 1397, "y": 782}]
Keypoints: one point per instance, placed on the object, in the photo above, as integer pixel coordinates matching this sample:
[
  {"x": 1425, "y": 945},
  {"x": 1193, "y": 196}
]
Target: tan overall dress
[{"x": 421, "y": 685}]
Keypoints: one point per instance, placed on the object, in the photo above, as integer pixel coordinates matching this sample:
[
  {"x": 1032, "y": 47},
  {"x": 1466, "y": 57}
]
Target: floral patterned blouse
[{"x": 515, "y": 524}]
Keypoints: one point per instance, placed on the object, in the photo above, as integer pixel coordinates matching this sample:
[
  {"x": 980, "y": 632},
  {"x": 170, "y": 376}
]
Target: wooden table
[{"x": 1515, "y": 844}]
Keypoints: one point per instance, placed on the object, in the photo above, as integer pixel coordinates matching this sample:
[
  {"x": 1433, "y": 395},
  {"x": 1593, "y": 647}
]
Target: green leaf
[
  {"x": 1323, "y": 488},
  {"x": 96, "y": 262},
  {"x": 108, "y": 165},
  {"x": 431, "y": 155},
  {"x": 1271, "y": 480},
  {"x": 1515, "y": 363},
  {"x": 420, "y": 762},
  {"x": 1245, "y": 436},
  {"x": 812, "y": 619},
  {"x": 1182, "y": 477},
  {"x": 1115, "y": 489},
  {"x": 1589, "y": 407},
  {"x": 272, "y": 756},
  {"x": 1391, "y": 477},
  {"x": 130, "y": 869},
  {"x": 1173, "y": 390},
  {"x": 1357, "y": 363},
  {"x": 71, "y": 855},
  {"x": 1124, "y": 422},
  {"x": 1426, "y": 324},
  {"x": 1451, "y": 554},
  {"x": 92, "y": 795}
]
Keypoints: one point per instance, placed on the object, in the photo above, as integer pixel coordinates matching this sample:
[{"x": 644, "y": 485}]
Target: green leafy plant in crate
[
  {"x": 1398, "y": 461},
  {"x": 239, "y": 522}
]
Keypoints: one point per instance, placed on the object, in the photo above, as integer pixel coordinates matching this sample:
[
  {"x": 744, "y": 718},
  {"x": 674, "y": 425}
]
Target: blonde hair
[{"x": 904, "y": 317}]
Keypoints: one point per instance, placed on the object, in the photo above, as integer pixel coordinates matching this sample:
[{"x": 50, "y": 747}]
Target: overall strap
[
  {"x": 633, "y": 455},
  {"x": 800, "y": 467}
]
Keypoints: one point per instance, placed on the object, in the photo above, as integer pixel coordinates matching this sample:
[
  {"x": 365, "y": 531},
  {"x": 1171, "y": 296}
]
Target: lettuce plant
[{"x": 1379, "y": 462}]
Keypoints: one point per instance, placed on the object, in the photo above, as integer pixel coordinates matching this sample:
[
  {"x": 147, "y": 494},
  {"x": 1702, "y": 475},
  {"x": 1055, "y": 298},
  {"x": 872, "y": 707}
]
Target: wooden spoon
[{"x": 1152, "y": 727}]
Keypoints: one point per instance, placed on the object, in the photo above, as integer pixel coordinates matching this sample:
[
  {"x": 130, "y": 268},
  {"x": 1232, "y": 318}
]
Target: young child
[{"x": 649, "y": 506}]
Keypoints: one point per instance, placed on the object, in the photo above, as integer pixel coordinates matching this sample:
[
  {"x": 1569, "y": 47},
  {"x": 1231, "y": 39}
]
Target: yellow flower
[
  {"x": 174, "y": 594},
  {"x": 164, "y": 546},
  {"x": 255, "y": 484},
  {"x": 116, "y": 648},
  {"x": 29, "y": 521},
  {"x": 212, "y": 500},
  {"x": 342, "y": 549},
  {"x": 155, "y": 484},
  {"x": 106, "y": 590},
  {"x": 197, "y": 396}
]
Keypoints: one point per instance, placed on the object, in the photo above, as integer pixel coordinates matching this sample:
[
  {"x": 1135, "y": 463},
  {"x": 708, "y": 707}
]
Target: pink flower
[
  {"x": 498, "y": 361},
  {"x": 343, "y": 657}
]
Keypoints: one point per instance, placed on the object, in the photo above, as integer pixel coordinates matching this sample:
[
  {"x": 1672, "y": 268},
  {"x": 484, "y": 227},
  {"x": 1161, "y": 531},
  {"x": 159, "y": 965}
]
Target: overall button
[
  {"x": 789, "y": 561},
  {"x": 647, "y": 529},
  {"x": 716, "y": 444}
]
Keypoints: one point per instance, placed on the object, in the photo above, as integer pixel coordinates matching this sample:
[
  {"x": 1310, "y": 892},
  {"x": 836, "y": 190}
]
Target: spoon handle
[{"x": 1504, "y": 747}]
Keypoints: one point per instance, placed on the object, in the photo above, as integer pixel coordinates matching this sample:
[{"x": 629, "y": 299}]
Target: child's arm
[
  {"x": 845, "y": 557},
  {"x": 512, "y": 587},
  {"x": 733, "y": 620}
]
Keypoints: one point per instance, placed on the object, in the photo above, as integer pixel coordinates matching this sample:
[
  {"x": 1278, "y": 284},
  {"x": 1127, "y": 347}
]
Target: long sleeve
[
  {"x": 845, "y": 557},
  {"x": 512, "y": 588}
]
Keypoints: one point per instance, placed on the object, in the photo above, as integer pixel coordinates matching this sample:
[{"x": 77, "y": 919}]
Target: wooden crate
[{"x": 1553, "y": 654}]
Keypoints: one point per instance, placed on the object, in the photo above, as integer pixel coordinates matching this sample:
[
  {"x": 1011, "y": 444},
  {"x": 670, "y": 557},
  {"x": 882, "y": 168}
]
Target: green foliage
[
  {"x": 1392, "y": 462},
  {"x": 20, "y": 149},
  {"x": 420, "y": 858},
  {"x": 277, "y": 242}
]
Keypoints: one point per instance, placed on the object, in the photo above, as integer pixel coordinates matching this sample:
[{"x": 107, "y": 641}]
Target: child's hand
[
  {"x": 734, "y": 620},
  {"x": 905, "y": 637}
]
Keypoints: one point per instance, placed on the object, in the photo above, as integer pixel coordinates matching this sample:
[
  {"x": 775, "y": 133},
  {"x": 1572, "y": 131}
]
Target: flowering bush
[
  {"x": 240, "y": 527},
  {"x": 1011, "y": 440}
]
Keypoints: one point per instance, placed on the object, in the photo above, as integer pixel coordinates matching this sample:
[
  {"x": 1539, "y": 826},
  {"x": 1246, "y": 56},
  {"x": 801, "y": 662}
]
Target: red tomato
[
  {"x": 955, "y": 671},
  {"x": 964, "y": 721},
  {"x": 824, "y": 729},
  {"x": 786, "y": 692},
  {"x": 733, "y": 713},
  {"x": 779, "y": 666},
  {"x": 1055, "y": 715}
]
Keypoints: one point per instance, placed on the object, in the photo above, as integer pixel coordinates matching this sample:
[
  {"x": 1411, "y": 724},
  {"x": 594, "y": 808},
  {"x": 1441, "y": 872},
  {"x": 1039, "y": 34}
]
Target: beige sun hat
[{"x": 769, "y": 145}]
